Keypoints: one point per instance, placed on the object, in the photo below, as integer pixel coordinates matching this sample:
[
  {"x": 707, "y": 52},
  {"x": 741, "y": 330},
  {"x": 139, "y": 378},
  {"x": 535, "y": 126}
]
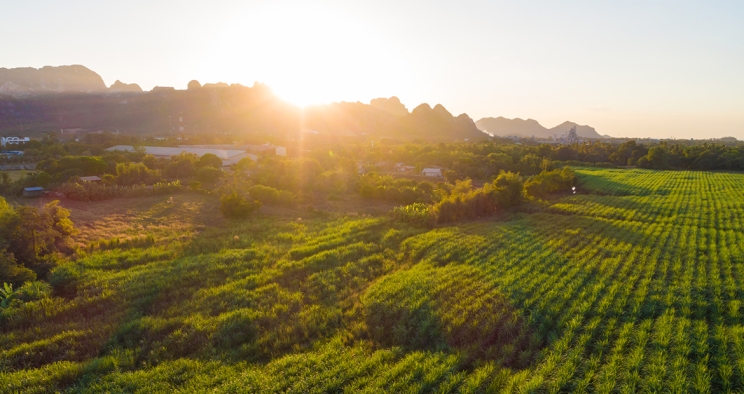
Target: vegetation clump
[
  {"x": 236, "y": 206},
  {"x": 31, "y": 240}
]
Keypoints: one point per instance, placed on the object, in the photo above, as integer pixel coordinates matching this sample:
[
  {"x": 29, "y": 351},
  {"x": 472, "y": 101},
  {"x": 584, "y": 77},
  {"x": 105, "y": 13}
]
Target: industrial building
[{"x": 228, "y": 156}]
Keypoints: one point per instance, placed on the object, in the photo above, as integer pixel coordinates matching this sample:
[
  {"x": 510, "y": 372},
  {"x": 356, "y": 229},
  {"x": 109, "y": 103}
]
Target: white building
[
  {"x": 227, "y": 156},
  {"x": 14, "y": 140},
  {"x": 255, "y": 149},
  {"x": 432, "y": 172}
]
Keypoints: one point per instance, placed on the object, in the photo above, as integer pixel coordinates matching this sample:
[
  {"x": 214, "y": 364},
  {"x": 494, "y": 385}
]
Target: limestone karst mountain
[
  {"x": 527, "y": 128},
  {"x": 119, "y": 86},
  {"x": 28, "y": 81}
]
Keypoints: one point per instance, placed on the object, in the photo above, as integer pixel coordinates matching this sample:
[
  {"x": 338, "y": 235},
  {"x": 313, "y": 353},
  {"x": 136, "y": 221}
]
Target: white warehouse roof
[{"x": 228, "y": 156}]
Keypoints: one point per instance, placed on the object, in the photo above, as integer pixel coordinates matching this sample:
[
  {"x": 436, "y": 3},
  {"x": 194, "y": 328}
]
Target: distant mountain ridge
[
  {"x": 504, "y": 127},
  {"x": 26, "y": 81},
  {"x": 120, "y": 86}
]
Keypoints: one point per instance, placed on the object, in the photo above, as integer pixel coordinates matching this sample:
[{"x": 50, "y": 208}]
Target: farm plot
[{"x": 635, "y": 285}]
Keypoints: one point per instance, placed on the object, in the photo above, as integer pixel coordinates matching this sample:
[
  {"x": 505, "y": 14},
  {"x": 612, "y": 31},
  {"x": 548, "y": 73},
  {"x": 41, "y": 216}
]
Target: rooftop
[{"x": 168, "y": 151}]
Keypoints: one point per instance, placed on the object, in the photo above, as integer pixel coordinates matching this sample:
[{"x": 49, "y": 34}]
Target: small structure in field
[
  {"x": 33, "y": 191},
  {"x": 90, "y": 179},
  {"x": 432, "y": 172}
]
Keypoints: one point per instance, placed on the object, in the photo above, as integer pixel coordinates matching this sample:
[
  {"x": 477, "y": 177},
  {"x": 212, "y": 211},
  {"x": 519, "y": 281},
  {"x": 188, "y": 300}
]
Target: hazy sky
[{"x": 627, "y": 68}]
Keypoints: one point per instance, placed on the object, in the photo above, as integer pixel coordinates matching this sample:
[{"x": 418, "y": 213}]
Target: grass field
[{"x": 633, "y": 285}]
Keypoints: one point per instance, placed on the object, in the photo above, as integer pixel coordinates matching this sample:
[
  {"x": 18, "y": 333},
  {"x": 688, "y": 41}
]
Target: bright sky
[{"x": 627, "y": 68}]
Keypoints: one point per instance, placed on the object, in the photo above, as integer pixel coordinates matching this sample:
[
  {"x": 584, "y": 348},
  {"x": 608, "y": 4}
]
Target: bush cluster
[
  {"x": 236, "y": 206},
  {"x": 550, "y": 182},
  {"x": 401, "y": 190}
]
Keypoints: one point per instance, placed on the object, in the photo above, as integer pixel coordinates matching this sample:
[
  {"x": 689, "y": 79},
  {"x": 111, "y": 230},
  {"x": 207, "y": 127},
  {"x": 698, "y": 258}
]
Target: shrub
[
  {"x": 416, "y": 213},
  {"x": 271, "y": 196},
  {"x": 465, "y": 203},
  {"x": 235, "y": 206},
  {"x": 550, "y": 182}
]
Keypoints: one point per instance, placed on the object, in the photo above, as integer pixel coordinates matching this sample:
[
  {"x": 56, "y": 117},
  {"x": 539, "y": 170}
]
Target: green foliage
[
  {"x": 434, "y": 308},
  {"x": 129, "y": 174},
  {"x": 404, "y": 191},
  {"x": 209, "y": 175},
  {"x": 43, "y": 179},
  {"x": 151, "y": 162},
  {"x": 294, "y": 175},
  {"x": 209, "y": 160},
  {"x": 416, "y": 213},
  {"x": 6, "y": 294},
  {"x": 464, "y": 202},
  {"x": 334, "y": 181},
  {"x": 235, "y": 206},
  {"x": 181, "y": 166},
  {"x": 632, "y": 285},
  {"x": 82, "y": 165},
  {"x": 271, "y": 196},
  {"x": 550, "y": 182},
  {"x": 31, "y": 238},
  {"x": 244, "y": 164},
  {"x": 89, "y": 191},
  {"x": 14, "y": 273}
]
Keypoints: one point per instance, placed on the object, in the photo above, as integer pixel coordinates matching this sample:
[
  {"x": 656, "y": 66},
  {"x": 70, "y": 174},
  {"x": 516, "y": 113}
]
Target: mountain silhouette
[
  {"x": 50, "y": 99},
  {"x": 27, "y": 81},
  {"x": 119, "y": 86},
  {"x": 504, "y": 127}
]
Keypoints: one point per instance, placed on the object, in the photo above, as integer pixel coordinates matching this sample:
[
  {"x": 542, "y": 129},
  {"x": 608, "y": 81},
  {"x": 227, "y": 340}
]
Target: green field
[{"x": 633, "y": 285}]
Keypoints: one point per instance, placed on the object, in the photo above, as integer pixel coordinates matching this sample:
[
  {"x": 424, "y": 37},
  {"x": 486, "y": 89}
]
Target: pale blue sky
[{"x": 628, "y": 68}]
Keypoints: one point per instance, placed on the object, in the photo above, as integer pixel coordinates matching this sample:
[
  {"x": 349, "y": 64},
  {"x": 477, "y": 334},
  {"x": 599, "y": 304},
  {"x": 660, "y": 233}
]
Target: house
[
  {"x": 90, "y": 179},
  {"x": 432, "y": 172},
  {"x": 33, "y": 191},
  {"x": 228, "y": 156},
  {"x": 402, "y": 167}
]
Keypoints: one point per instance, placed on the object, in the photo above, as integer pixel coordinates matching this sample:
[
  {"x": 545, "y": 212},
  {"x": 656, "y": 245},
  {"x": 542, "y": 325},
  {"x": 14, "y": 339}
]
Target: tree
[
  {"x": 128, "y": 174},
  {"x": 245, "y": 164},
  {"x": 43, "y": 179},
  {"x": 209, "y": 160},
  {"x": 150, "y": 161},
  {"x": 181, "y": 166},
  {"x": 513, "y": 189},
  {"x": 194, "y": 85},
  {"x": 209, "y": 174},
  {"x": 30, "y": 238}
]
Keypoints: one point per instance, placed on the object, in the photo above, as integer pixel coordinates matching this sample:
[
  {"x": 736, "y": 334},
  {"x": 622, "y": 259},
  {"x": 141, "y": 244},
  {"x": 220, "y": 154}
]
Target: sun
[{"x": 308, "y": 54}]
